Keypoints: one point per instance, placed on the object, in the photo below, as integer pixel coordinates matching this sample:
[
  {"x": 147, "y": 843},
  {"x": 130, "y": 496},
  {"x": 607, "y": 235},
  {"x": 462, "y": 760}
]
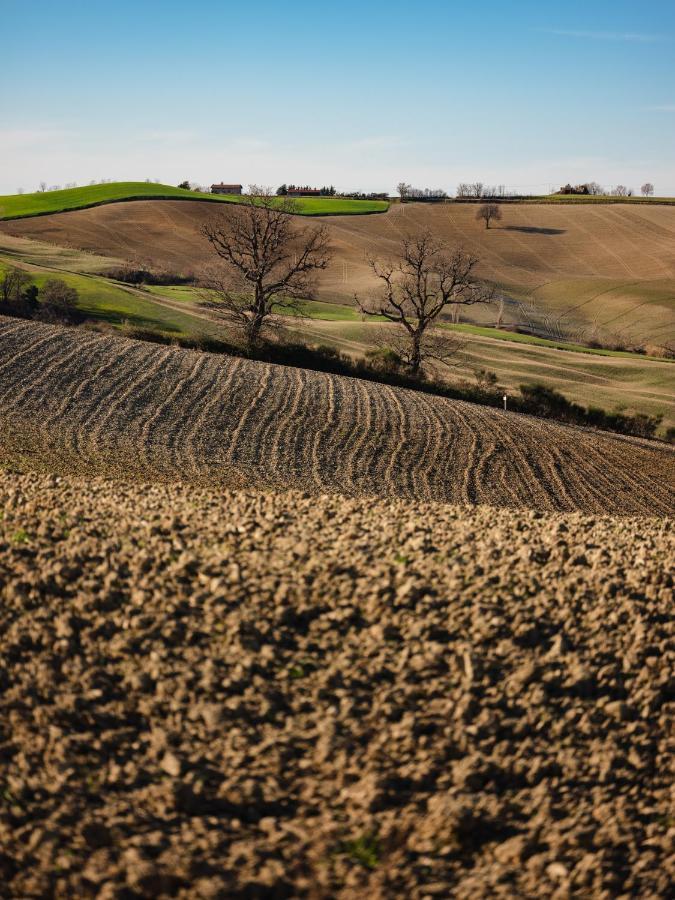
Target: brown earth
[
  {"x": 241, "y": 695},
  {"x": 610, "y": 268},
  {"x": 126, "y": 406}
]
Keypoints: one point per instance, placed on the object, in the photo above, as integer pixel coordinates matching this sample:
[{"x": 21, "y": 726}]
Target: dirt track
[
  {"x": 238, "y": 695},
  {"x": 107, "y": 404}
]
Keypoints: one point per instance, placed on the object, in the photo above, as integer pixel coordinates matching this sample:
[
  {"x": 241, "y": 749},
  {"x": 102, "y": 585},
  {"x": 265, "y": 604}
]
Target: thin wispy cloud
[{"x": 629, "y": 36}]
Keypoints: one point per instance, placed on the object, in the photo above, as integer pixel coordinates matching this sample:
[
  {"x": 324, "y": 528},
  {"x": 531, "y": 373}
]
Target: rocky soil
[{"x": 238, "y": 694}]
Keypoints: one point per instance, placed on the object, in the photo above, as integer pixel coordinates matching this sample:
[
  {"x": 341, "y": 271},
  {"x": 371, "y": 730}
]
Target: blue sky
[{"x": 358, "y": 94}]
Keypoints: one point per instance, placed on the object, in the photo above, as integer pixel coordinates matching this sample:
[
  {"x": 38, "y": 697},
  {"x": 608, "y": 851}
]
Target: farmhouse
[
  {"x": 226, "y": 188},
  {"x": 294, "y": 191}
]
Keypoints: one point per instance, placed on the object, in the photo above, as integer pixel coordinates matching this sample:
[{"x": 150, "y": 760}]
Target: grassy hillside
[{"x": 21, "y": 206}]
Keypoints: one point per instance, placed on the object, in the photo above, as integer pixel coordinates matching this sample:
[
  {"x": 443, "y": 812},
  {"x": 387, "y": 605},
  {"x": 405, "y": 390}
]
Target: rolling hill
[
  {"x": 124, "y": 406},
  {"x": 20, "y": 206},
  {"x": 572, "y": 272}
]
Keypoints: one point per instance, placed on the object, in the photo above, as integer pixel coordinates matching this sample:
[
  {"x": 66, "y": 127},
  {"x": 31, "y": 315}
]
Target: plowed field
[{"x": 133, "y": 407}]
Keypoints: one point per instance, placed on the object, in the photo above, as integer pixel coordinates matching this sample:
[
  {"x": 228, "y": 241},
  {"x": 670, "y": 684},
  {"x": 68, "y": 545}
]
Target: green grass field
[
  {"x": 313, "y": 309},
  {"x": 21, "y": 206}
]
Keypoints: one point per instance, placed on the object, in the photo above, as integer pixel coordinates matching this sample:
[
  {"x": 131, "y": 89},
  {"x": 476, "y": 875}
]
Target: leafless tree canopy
[
  {"x": 647, "y": 189},
  {"x": 487, "y": 212},
  {"x": 424, "y": 281},
  {"x": 266, "y": 261},
  {"x": 402, "y": 189}
]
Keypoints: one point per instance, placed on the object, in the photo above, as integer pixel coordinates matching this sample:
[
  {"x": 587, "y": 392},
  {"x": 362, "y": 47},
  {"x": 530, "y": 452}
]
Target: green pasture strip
[
  {"x": 313, "y": 309},
  {"x": 21, "y": 206},
  {"x": 105, "y": 301}
]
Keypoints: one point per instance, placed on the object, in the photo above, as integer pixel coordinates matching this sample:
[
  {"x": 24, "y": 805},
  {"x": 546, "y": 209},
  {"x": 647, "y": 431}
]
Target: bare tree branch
[
  {"x": 267, "y": 262},
  {"x": 424, "y": 281}
]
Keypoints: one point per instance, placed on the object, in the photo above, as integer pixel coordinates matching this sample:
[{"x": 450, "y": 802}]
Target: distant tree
[
  {"x": 18, "y": 293},
  {"x": 43, "y": 187},
  {"x": 620, "y": 191},
  {"x": 489, "y": 211},
  {"x": 19, "y": 190},
  {"x": 647, "y": 189},
  {"x": 184, "y": 185},
  {"x": 463, "y": 189},
  {"x": 59, "y": 301},
  {"x": 282, "y": 190},
  {"x": 477, "y": 189},
  {"x": 403, "y": 190},
  {"x": 423, "y": 282},
  {"x": 13, "y": 284},
  {"x": 595, "y": 189},
  {"x": 269, "y": 262}
]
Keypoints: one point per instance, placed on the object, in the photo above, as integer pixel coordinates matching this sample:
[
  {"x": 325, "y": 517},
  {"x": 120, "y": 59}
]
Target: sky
[{"x": 361, "y": 95}]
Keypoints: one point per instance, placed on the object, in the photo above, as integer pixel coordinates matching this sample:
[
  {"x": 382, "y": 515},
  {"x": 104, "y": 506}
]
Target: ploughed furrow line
[
  {"x": 396, "y": 431},
  {"x": 116, "y": 423},
  {"x": 160, "y": 428},
  {"x": 184, "y": 445},
  {"x": 433, "y": 443},
  {"x": 273, "y": 429},
  {"x": 536, "y": 453},
  {"x": 252, "y": 408},
  {"x": 369, "y": 458},
  {"x": 85, "y": 368},
  {"x": 325, "y": 421},
  {"x": 21, "y": 358},
  {"x": 84, "y": 437},
  {"x": 648, "y": 478},
  {"x": 70, "y": 398}
]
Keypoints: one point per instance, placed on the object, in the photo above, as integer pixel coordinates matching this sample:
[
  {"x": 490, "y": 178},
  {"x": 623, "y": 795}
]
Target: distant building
[
  {"x": 226, "y": 188},
  {"x": 295, "y": 191}
]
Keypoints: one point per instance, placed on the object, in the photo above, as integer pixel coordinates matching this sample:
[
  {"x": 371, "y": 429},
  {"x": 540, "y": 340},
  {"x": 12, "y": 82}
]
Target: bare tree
[
  {"x": 647, "y": 189},
  {"x": 595, "y": 189},
  {"x": 424, "y": 281},
  {"x": 43, "y": 187},
  {"x": 477, "y": 189},
  {"x": 487, "y": 212},
  {"x": 268, "y": 261},
  {"x": 620, "y": 191},
  {"x": 13, "y": 284},
  {"x": 403, "y": 190}
]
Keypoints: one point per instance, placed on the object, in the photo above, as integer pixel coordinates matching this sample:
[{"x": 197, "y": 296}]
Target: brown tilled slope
[
  {"x": 532, "y": 246},
  {"x": 117, "y": 405},
  {"x": 266, "y": 696}
]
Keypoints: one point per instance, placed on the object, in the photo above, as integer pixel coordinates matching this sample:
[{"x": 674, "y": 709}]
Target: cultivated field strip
[{"x": 105, "y": 403}]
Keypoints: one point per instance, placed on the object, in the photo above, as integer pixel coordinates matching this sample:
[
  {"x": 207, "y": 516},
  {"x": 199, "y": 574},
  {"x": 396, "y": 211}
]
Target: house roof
[{"x": 221, "y": 185}]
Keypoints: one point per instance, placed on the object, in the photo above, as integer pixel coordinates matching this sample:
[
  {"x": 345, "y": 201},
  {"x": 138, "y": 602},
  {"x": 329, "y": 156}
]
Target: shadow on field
[{"x": 532, "y": 229}]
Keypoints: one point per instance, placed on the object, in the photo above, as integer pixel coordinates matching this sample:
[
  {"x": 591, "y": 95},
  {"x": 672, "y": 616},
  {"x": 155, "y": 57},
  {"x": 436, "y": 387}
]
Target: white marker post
[{"x": 504, "y": 402}]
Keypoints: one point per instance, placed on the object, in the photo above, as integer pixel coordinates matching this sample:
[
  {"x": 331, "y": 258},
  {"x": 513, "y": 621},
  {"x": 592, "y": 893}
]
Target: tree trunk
[{"x": 416, "y": 354}]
